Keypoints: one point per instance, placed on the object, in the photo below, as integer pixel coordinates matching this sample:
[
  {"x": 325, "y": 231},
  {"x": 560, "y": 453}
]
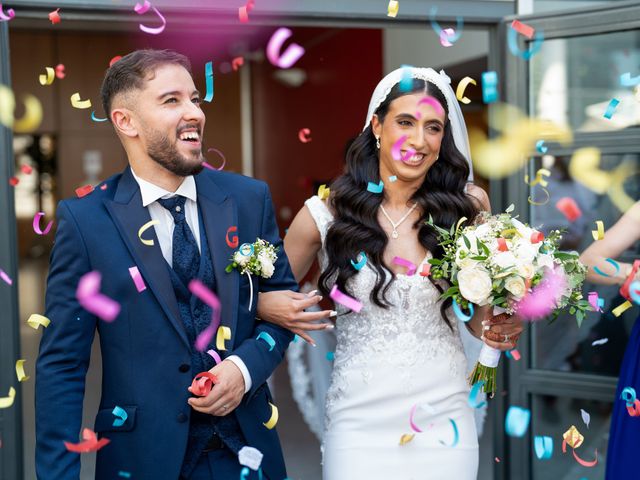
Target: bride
[{"x": 400, "y": 356}]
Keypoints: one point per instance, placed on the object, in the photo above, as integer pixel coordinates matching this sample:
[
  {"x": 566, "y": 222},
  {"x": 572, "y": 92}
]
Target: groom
[{"x": 148, "y": 354}]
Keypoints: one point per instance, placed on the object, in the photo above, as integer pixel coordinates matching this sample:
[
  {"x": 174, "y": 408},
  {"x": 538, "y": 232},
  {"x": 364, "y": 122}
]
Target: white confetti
[
  {"x": 602, "y": 341},
  {"x": 586, "y": 418}
]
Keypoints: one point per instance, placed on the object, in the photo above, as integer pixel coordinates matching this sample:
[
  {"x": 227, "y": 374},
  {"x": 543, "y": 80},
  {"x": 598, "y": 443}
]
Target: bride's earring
[{"x": 378, "y": 143}]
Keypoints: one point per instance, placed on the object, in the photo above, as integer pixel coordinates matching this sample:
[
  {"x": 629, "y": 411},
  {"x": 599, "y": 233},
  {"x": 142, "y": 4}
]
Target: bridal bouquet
[{"x": 504, "y": 263}]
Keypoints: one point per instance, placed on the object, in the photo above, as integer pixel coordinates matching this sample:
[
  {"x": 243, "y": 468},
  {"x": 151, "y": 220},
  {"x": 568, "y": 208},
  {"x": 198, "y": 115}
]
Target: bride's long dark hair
[{"x": 355, "y": 227}]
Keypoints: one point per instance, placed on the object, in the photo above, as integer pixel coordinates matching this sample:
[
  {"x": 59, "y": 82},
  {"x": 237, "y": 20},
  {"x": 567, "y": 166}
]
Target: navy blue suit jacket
[{"x": 144, "y": 347}]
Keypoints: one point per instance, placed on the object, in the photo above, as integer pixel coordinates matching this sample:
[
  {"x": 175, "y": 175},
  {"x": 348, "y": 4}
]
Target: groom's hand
[{"x": 225, "y": 395}]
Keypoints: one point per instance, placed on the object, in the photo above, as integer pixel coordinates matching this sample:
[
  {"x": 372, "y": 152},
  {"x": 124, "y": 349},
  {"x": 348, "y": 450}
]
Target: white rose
[
  {"x": 545, "y": 260},
  {"x": 483, "y": 231},
  {"x": 475, "y": 284},
  {"x": 525, "y": 250},
  {"x": 266, "y": 265},
  {"x": 240, "y": 259},
  {"x": 522, "y": 228},
  {"x": 466, "y": 263},
  {"x": 504, "y": 260},
  {"x": 526, "y": 270},
  {"x": 515, "y": 285}
]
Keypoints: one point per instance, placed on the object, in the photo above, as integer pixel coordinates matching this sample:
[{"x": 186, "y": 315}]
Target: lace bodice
[{"x": 410, "y": 334}]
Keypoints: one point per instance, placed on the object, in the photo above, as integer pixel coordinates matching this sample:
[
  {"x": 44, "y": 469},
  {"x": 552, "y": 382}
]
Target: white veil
[{"x": 440, "y": 80}]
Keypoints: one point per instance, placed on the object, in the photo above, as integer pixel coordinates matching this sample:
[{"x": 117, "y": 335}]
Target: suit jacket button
[
  {"x": 184, "y": 368},
  {"x": 182, "y": 417}
]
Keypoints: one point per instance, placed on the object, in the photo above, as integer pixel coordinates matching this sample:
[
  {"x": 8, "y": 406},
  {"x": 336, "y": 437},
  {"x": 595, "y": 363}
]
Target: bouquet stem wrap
[{"x": 486, "y": 368}]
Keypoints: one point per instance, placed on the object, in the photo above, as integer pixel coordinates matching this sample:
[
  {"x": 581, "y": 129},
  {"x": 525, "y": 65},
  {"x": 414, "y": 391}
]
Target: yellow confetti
[
  {"x": 6, "y": 402},
  {"x": 538, "y": 179},
  {"x": 323, "y": 192},
  {"x": 573, "y": 437},
  {"x": 462, "y": 86},
  {"x": 585, "y": 168},
  {"x": 7, "y": 106},
  {"x": 47, "y": 79},
  {"x": 36, "y": 320},
  {"x": 224, "y": 333},
  {"x": 599, "y": 233},
  {"x": 623, "y": 307},
  {"x": 77, "y": 103},
  {"x": 22, "y": 377},
  {"x": 392, "y": 10},
  {"x": 274, "y": 417},
  {"x": 143, "y": 228},
  {"x": 406, "y": 438},
  {"x": 536, "y": 203},
  {"x": 32, "y": 117}
]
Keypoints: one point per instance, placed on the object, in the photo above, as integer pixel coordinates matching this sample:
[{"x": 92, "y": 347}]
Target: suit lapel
[
  {"x": 129, "y": 215},
  {"x": 219, "y": 212}
]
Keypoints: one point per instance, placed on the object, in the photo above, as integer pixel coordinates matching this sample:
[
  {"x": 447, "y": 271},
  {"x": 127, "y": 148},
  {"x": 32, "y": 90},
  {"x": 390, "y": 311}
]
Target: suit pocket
[{"x": 105, "y": 419}]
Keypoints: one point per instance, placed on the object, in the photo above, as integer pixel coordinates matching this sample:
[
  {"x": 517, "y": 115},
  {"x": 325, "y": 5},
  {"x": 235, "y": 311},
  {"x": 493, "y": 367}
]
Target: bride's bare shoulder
[{"x": 479, "y": 197}]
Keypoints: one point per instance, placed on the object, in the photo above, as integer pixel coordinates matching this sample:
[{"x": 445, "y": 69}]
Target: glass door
[{"x": 580, "y": 77}]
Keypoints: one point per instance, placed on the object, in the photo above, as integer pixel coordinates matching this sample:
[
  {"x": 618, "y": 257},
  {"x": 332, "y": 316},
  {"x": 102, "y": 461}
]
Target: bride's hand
[
  {"x": 502, "y": 331},
  {"x": 286, "y": 309}
]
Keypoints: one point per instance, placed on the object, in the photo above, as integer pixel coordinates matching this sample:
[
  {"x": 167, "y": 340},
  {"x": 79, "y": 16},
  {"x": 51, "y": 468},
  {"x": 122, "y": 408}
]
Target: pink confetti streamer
[
  {"x": 290, "y": 56},
  {"x": 595, "y": 301},
  {"x": 89, "y": 296},
  {"x": 433, "y": 102},
  {"x": 444, "y": 37},
  {"x": 411, "y": 267},
  {"x": 215, "y": 355},
  {"x": 414, "y": 427},
  {"x": 343, "y": 299},
  {"x": 544, "y": 298},
  {"x": 137, "y": 279},
  {"x": 36, "y": 224},
  {"x": 5, "y": 277},
  {"x": 9, "y": 15},
  {"x": 224, "y": 160},
  {"x": 141, "y": 9},
  {"x": 396, "y": 150},
  {"x": 201, "y": 291}
]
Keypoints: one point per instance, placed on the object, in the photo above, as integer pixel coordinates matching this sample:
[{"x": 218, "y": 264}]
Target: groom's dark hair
[{"x": 131, "y": 71}]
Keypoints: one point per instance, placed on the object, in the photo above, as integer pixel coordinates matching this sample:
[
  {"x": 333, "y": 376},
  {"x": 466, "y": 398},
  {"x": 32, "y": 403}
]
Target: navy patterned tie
[{"x": 185, "y": 254}]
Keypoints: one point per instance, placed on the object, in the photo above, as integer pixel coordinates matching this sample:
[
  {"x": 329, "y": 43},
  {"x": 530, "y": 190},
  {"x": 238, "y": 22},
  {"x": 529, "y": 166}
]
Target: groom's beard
[{"x": 166, "y": 154}]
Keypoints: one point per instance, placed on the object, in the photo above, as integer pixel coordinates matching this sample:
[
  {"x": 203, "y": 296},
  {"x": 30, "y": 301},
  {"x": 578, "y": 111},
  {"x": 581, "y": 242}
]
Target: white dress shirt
[{"x": 164, "y": 230}]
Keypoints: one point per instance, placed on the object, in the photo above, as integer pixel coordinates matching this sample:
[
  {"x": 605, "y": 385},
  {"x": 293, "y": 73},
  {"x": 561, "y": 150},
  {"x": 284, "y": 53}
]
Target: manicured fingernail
[
  {"x": 486, "y": 327},
  {"x": 329, "y": 326},
  {"x": 333, "y": 313},
  {"x": 485, "y": 322},
  {"x": 314, "y": 344},
  {"x": 320, "y": 297},
  {"x": 312, "y": 293}
]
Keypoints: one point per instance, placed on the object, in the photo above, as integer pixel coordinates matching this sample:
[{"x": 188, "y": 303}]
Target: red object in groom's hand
[{"x": 202, "y": 384}]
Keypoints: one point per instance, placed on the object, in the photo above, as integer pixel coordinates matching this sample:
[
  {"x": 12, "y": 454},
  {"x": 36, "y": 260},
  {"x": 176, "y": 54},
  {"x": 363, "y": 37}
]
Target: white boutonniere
[{"x": 256, "y": 258}]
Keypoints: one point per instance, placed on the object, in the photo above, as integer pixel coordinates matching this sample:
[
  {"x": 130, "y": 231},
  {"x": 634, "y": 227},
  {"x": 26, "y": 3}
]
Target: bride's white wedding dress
[{"x": 386, "y": 362}]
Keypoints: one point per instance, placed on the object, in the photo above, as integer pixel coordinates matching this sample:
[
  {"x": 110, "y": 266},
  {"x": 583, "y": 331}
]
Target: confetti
[
  {"x": 6, "y": 402},
  {"x": 540, "y": 173},
  {"x": 6, "y": 278},
  {"x": 233, "y": 241},
  {"x": 456, "y": 434},
  {"x": 47, "y": 78},
  {"x": 523, "y": 29},
  {"x": 406, "y": 81},
  {"x": 502, "y": 245},
  {"x": 141, "y": 9},
  {"x": 444, "y": 37},
  {"x": 250, "y": 457},
  {"x": 124, "y": 474},
  {"x": 331, "y": 356},
  {"x": 138, "y": 281},
  {"x": 54, "y": 16},
  {"x": 224, "y": 333},
  {"x": 90, "y": 298},
  {"x": 406, "y": 438},
  {"x": 32, "y": 117},
  {"x": 573, "y": 437},
  {"x": 473, "y": 400},
  {"x": 460, "y": 314},
  {"x": 323, "y": 192},
  {"x": 462, "y": 86},
  {"x": 224, "y": 159},
  {"x": 393, "y": 178},
  {"x": 623, "y": 307},
  {"x": 60, "y": 73},
  {"x": 611, "y": 108},
  {"x": 243, "y": 12},
  {"x": 84, "y": 191},
  {"x": 489, "y": 87},
  {"x": 13, "y": 181},
  {"x": 596, "y": 302},
  {"x": 543, "y": 447},
  {"x": 396, "y": 150},
  {"x": 208, "y": 74},
  {"x": 36, "y": 320},
  {"x": 274, "y": 417},
  {"x": 22, "y": 377},
  {"x": 513, "y": 354},
  {"x": 361, "y": 261},
  {"x": 433, "y": 14},
  {"x": 586, "y": 418},
  {"x": 304, "y": 135},
  {"x": 599, "y": 233},
  {"x": 582, "y": 462},
  {"x": 26, "y": 169},
  {"x": 540, "y": 146},
  {"x": 517, "y": 421},
  {"x": 601, "y": 341},
  {"x": 237, "y": 62},
  {"x": 612, "y": 262},
  {"x": 428, "y": 100},
  {"x": 544, "y": 297},
  {"x": 411, "y": 267},
  {"x": 267, "y": 338},
  {"x": 144, "y": 228},
  {"x": 76, "y": 102},
  {"x": 96, "y": 119},
  {"x": 343, "y": 299},
  {"x": 534, "y": 46},
  {"x": 8, "y": 16},
  {"x": 412, "y": 424},
  {"x": 36, "y": 224},
  {"x": 634, "y": 291},
  {"x": 90, "y": 443},
  {"x": 627, "y": 81},
  {"x": 290, "y": 56},
  {"x": 202, "y": 384},
  {"x": 569, "y": 208},
  {"x": 392, "y": 8},
  {"x": 426, "y": 270},
  {"x": 375, "y": 187},
  {"x": 114, "y": 60},
  {"x": 121, "y": 416}
]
